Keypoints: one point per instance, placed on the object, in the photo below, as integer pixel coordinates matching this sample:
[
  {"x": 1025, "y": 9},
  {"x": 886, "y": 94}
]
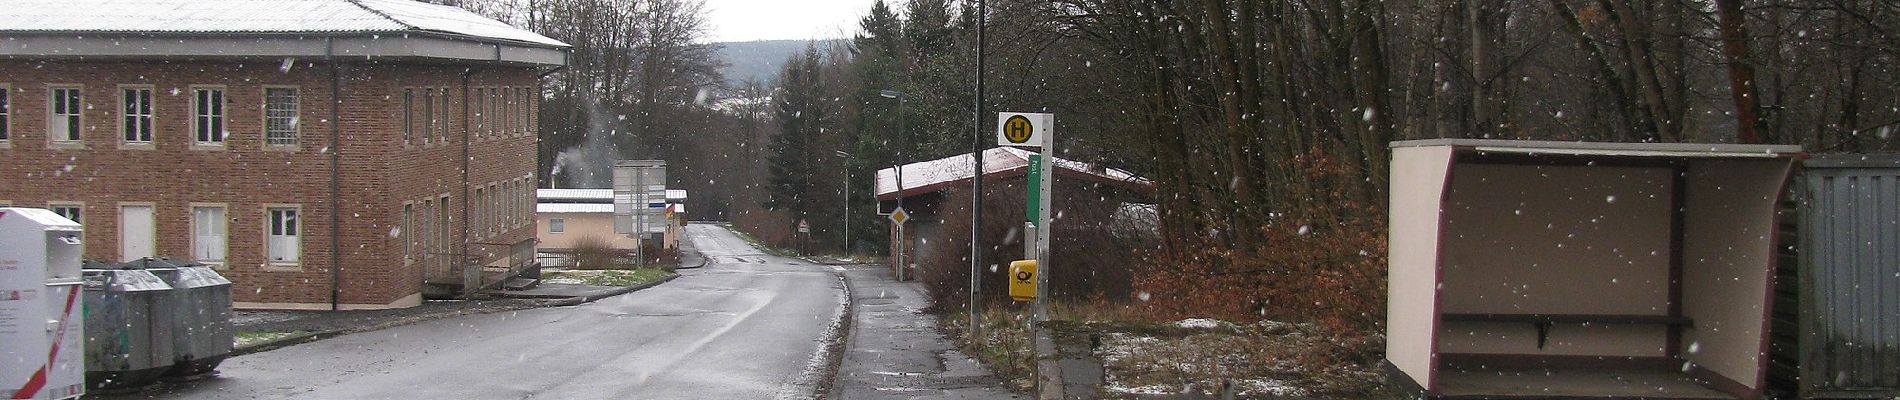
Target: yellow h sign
[{"x": 1022, "y": 280}]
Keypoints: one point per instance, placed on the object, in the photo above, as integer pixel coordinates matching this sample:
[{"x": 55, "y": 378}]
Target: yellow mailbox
[{"x": 1022, "y": 280}]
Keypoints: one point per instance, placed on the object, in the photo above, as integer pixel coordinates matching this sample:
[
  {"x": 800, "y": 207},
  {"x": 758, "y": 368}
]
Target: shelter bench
[{"x": 1543, "y": 322}]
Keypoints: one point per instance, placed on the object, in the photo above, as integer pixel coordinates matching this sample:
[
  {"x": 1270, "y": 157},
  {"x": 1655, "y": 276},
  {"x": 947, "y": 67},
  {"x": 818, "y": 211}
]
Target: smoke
[{"x": 590, "y": 164}]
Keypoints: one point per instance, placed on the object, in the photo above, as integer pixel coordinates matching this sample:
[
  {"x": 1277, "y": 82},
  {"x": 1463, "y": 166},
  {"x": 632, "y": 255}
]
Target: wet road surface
[{"x": 747, "y": 326}]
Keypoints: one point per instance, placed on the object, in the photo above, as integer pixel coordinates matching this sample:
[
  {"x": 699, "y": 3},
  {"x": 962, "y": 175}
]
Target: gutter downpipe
[
  {"x": 336, "y": 210},
  {"x": 468, "y": 288}
]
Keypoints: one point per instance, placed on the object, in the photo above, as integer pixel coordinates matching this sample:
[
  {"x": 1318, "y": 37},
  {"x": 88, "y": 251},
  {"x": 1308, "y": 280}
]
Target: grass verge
[
  {"x": 606, "y": 277},
  {"x": 242, "y": 339}
]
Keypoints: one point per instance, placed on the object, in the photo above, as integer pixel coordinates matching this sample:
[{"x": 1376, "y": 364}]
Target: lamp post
[
  {"x": 902, "y": 142},
  {"x": 847, "y": 200}
]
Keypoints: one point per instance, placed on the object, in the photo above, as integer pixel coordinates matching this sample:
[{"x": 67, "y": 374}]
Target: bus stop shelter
[{"x": 1571, "y": 269}]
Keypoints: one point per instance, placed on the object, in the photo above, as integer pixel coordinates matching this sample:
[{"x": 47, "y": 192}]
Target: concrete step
[{"x": 521, "y": 283}]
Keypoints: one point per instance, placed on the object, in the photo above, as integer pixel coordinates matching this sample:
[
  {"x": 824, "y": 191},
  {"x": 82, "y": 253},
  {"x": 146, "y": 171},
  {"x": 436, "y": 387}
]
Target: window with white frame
[
  {"x": 65, "y": 123},
  {"x": 527, "y": 113},
  {"x": 481, "y": 102},
  {"x": 408, "y": 231},
  {"x": 557, "y": 225},
  {"x": 428, "y": 115},
  {"x": 476, "y": 216},
  {"x": 71, "y": 211},
  {"x": 442, "y": 130},
  {"x": 5, "y": 115},
  {"x": 283, "y": 242},
  {"x": 135, "y": 105},
  {"x": 280, "y": 116},
  {"x": 207, "y": 107},
  {"x": 209, "y": 234},
  {"x": 409, "y": 119}
]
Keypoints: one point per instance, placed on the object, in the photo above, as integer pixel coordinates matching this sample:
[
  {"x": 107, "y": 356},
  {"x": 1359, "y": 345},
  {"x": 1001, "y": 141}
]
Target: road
[{"x": 747, "y": 326}]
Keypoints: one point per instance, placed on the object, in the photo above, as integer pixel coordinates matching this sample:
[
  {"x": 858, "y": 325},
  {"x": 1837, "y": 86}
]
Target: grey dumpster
[
  {"x": 200, "y": 314},
  {"x": 123, "y": 347}
]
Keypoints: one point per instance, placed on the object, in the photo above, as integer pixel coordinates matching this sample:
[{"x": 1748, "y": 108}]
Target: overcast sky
[{"x": 747, "y": 20}]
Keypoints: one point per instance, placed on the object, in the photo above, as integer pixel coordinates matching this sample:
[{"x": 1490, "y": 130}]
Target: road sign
[
  {"x": 898, "y": 216},
  {"x": 1025, "y": 129},
  {"x": 1022, "y": 280},
  {"x": 803, "y": 227}
]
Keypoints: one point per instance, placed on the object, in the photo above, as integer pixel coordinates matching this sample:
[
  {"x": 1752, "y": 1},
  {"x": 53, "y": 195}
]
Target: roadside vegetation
[
  {"x": 242, "y": 339},
  {"x": 608, "y": 277}
]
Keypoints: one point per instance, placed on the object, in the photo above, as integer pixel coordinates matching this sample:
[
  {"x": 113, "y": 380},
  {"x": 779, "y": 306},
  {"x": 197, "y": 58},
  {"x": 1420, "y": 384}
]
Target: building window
[
  {"x": 557, "y": 225},
  {"x": 481, "y": 102},
  {"x": 280, "y": 116},
  {"x": 136, "y": 104},
  {"x": 5, "y": 124},
  {"x": 527, "y": 113},
  {"x": 283, "y": 240},
  {"x": 428, "y": 114},
  {"x": 425, "y": 238},
  {"x": 494, "y": 104},
  {"x": 208, "y": 110},
  {"x": 442, "y": 130},
  {"x": 477, "y": 217},
  {"x": 69, "y": 210},
  {"x": 64, "y": 126},
  {"x": 514, "y": 121},
  {"x": 408, "y": 231},
  {"x": 208, "y": 233},
  {"x": 408, "y": 115}
]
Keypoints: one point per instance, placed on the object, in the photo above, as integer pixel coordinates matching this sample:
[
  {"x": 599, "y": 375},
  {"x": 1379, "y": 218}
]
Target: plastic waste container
[
  {"x": 40, "y": 325},
  {"x": 126, "y": 344},
  {"x": 199, "y": 316}
]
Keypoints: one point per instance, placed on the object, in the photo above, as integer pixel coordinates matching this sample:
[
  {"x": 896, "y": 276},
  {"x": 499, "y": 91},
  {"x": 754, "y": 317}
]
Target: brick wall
[{"x": 378, "y": 172}]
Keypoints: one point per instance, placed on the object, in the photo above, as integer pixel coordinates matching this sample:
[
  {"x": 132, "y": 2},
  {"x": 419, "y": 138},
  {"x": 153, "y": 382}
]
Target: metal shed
[
  {"x": 1568, "y": 269},
  {"x": 1849, "y": 292}
]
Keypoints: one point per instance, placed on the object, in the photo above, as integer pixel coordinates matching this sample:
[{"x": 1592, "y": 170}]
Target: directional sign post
[
  {"x": 898, "y": 217},
  {"x": 1035, "y": 130}
]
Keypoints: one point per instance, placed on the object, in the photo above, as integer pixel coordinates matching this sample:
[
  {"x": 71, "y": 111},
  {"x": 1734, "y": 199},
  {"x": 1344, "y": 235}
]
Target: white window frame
[
  {"x": 477, "y": 215},
  {"x": 73, "y": 118},
  {"x": 272, "y": 232},
  {"x": 213, "y": 137},
  {"x": 407, "y": 232},
  {"x": 142, "y": 118},
  {"x": 6, "y": 116},
  {"x": 295, "y": 124},
  {"x": 447, "y": 113},
  {"x": 408, "y": 116},
  {"x": 557, "y": 226},
  {"x": 78, "y": 207},
  {"x": 224, "y": 229}
]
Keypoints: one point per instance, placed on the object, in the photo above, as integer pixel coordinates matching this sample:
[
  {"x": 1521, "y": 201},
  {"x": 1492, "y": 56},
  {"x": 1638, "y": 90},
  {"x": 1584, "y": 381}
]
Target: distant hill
[{"x": 759, "y": 60}]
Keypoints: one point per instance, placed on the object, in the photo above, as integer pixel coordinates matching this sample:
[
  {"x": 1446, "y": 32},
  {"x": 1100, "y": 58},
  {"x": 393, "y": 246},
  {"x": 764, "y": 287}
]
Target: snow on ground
[
  {"x": 1263, "y": 360},
  {"x": 1198, "y": 323}
]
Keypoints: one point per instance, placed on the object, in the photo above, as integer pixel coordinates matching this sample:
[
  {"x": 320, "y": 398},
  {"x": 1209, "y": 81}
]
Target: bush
[{"x": 592, "y": 252}]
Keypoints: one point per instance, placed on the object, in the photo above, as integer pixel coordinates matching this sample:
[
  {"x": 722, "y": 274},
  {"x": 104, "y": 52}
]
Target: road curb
[{"x": 838, "y": 341}]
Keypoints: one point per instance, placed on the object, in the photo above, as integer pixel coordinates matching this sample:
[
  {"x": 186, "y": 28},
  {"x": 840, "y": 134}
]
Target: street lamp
[
  {"x": 902, "y": 142},
  {"x": 847, "y": 200}
]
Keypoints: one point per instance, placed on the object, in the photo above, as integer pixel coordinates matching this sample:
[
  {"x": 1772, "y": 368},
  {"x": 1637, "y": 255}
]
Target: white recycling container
[{"x": 41, "y": 331}]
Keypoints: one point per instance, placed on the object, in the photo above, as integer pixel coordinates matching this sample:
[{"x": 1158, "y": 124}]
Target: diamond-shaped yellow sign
[{"x": 898, "y": 216}]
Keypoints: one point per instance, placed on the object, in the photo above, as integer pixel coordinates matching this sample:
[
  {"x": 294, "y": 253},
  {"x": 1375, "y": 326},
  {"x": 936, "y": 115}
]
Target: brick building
[{"x": 323, "y": 154}]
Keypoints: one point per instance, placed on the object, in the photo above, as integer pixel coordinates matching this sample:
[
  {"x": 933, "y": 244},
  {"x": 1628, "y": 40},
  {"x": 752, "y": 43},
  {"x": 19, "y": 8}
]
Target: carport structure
[{"x": 1571, "y": 269}]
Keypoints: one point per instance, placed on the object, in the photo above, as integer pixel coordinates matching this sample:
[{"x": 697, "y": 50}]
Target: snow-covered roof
[
  {"x": 258, "y": 17},
  {"x": 675, "y": 194},
  {"x": 934, "y": 175},
  {"x": 575, "y": 195},
  {"x": 574, "y": 208}
]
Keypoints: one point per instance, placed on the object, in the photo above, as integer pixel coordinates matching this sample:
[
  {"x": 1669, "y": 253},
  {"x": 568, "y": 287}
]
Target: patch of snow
[
  {"x": 1273, "y": 387},
  {"x": 1198, "y": 323},
  {"x": 1149, "y": 389}
]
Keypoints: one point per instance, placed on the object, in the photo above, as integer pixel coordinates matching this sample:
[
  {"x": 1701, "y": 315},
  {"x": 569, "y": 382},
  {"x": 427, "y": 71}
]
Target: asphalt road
[{"x": 747, "y": 326}]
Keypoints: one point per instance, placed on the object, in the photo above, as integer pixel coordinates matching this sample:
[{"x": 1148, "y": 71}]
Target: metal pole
[
  {"x": 903, "y": 141},
  {"x": 847, "y": 203},
  {"x": 976, "y": 181}
]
